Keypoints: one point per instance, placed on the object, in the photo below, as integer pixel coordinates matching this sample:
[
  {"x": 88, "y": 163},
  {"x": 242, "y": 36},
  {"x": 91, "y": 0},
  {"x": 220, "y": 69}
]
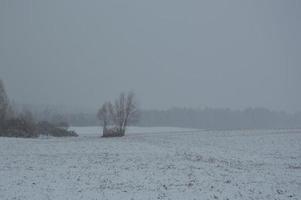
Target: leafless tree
[
  {"x": 123, "y": 112},
  {"x": 104, "y": 115},
  {"x": 131, "y": 111},
  {"x": 4, "y": 104},
  {"x": 28, "y": 121}
]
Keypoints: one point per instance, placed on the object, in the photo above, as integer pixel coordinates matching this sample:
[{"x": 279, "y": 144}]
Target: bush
[
  {"x": 19, "y": 127},
  {"x": 113, "y": 132},
  {"x": 46, "y": 128}
]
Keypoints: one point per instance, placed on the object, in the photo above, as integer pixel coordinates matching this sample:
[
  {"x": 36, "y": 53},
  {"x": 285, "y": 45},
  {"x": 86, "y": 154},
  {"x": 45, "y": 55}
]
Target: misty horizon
[{"x": 72, "y": 109}]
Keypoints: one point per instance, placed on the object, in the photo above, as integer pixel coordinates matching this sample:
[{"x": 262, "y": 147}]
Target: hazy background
[{"x": 233, "y": 54}]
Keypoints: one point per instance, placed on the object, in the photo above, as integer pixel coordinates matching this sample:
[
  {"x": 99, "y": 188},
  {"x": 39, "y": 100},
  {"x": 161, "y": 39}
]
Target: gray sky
[{"x": 189, "y": 53}]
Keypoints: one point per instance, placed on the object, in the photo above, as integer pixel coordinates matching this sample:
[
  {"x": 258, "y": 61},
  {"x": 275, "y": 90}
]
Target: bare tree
[
  {"x": 131, "y": 111},
  {"x": 123, "y": 112},
  {"x": 119, "y": 113},
  {"x": 4, "y": 104},
  {"x": 104, "y": 115},
  {"x": 28, "y": 121}
]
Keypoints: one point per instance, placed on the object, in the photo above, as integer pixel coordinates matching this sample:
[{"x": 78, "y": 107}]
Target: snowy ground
[{"x": 153, "y": 163}]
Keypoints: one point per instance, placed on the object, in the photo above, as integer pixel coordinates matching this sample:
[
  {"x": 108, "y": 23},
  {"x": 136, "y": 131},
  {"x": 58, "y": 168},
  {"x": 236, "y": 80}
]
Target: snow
[{"x": 153, "y": 163}]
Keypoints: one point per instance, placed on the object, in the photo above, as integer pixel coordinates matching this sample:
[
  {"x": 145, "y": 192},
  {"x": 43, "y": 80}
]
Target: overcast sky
[{"x": 188, "y": 53}]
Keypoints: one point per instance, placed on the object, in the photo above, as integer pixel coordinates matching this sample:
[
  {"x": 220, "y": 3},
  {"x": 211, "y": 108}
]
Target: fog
[{"x": 227, "y": 54}]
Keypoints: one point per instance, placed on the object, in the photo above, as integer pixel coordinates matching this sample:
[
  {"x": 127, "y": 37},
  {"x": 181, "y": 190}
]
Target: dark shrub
[
  {"x": 46, "y": 128},
  {"x": 18, "y": 127},
  {"x": 113, "y": 132}
]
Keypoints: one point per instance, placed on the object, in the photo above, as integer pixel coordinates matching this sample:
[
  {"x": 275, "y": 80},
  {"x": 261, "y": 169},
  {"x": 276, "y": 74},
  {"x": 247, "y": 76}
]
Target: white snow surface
[{"x": 153, "y": 163}]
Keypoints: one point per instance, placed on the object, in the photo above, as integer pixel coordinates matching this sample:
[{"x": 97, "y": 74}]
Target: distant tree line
[{"x": 208, "y": 118}]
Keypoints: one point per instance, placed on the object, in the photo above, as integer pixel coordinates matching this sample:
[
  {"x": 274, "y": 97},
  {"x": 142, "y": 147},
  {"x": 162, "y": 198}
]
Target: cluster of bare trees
[
  {"x": 11, "y": 124},
  {"x": 23, "y": 124},
  {"x": 116, "y": 116}
]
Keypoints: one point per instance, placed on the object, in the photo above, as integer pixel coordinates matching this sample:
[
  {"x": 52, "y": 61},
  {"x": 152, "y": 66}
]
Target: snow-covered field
[{"x": 153, "y": 163}]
